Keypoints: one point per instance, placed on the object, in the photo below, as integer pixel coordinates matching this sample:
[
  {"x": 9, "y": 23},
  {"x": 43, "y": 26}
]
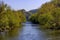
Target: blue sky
[{"x": 25, "y": 4}]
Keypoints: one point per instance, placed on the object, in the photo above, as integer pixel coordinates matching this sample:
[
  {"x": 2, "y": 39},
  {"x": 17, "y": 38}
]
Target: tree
[
  {"x": 49, "y": 15},
  {"x": 10, "y": 19}
]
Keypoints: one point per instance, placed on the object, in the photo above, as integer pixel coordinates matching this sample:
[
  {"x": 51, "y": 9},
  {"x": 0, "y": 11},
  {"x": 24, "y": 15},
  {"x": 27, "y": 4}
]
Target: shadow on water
[
  {"x": 10, "y": 35},
  {"x": 53, "y": 34},
  {"x": 28, "y": 31}
]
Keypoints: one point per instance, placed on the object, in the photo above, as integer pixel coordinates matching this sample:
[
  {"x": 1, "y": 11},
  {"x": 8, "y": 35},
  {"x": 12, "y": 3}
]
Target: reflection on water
[
  {"x": 29, "y": 31},
  {"x": 53, "y": 35},
  {"x": 11, "y": 35}
]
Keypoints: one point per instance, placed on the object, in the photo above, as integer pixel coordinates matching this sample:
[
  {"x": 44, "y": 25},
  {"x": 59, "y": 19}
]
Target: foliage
[
  {"x": 9, "y": 18},
  {"x": 33, "y": 18},
  {"x": 48, "y": 15}
]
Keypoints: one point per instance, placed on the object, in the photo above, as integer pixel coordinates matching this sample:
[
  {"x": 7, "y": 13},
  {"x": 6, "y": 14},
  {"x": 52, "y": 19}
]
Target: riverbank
[
  {"x": 48, "y": 16},
  {"x": 10, "y": 19}
]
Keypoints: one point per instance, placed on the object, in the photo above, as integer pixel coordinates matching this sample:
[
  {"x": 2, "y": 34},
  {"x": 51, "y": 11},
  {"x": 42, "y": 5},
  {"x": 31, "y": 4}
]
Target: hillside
[{"x": 33, "y": 11}]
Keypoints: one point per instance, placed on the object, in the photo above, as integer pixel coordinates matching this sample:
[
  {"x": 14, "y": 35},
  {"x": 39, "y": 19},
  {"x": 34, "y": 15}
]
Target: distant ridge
[{"x": 33, "y": 11}]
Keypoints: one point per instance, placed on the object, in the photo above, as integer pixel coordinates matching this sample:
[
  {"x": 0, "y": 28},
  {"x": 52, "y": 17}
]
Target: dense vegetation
[
  {"x": 48, "y": 16},
  {"x": 9, "y": 18}
]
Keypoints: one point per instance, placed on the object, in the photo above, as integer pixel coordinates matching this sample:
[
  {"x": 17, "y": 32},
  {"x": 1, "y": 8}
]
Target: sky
[{"x": 25, "y": 4}]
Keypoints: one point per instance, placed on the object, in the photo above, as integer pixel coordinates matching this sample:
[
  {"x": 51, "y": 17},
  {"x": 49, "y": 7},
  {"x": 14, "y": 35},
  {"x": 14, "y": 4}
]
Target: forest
[
  {"x": 48, "y": 15},
  {"x": 9, "y": 18}
]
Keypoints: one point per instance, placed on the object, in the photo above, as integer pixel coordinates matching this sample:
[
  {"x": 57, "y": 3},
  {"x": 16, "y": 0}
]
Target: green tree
[
  {"x": 10, "y": 19},
  {"x": 48, "y": 15}
]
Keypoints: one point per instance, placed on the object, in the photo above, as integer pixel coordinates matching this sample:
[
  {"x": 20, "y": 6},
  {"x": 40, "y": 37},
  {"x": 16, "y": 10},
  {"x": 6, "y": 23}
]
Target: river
[{"x": 28, "y": 31}]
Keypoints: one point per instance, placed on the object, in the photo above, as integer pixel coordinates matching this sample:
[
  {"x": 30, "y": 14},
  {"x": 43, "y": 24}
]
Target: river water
[{"x": 28, "y": 31}]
